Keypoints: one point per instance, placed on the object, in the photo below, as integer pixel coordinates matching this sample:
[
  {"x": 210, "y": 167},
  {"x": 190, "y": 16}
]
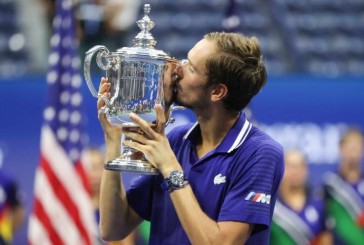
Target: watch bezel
[{"x": 176, "y": 180}]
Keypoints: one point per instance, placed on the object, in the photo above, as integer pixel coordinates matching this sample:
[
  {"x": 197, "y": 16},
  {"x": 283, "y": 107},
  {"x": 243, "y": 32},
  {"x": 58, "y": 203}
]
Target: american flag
[{"x": 62, "y": 208}]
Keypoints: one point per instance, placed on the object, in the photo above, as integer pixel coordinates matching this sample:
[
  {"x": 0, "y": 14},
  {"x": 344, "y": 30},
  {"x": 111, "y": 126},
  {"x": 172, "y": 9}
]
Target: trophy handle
[
  {"x": 101, "y": 51},
  {"x": 172, "y": 109}
]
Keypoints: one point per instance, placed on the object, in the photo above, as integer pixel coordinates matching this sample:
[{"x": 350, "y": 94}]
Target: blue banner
[{"x": 303, "y": 112}]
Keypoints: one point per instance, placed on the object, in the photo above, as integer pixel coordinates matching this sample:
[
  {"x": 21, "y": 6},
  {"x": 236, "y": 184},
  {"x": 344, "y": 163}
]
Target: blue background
[{"x": 285, "y": 100}]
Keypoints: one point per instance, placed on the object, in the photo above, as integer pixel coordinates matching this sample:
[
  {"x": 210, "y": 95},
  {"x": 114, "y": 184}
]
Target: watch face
[{"x": 176, "y": 178}]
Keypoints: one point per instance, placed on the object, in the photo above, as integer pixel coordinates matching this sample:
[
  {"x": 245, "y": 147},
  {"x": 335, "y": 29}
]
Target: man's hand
[
  {"x": 153, "y": 142},
  {"x": 112, "y": 132},
  {"x": 104, "y": 88}
]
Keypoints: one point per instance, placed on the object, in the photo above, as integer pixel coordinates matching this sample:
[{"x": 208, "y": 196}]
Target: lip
[{"x": 175, "y": 78}]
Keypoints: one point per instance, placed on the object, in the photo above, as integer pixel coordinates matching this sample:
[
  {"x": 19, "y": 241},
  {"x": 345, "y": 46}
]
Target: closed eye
[{"x": 190, "y": 67}]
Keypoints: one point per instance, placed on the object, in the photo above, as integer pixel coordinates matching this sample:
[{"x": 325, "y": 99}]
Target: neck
[
  {"x": 294, "y": 196},
  {"x": 214, "y": 126}
]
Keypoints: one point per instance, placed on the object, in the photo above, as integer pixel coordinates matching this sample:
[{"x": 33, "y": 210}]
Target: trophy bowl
[{"x": 140, "y": 77}]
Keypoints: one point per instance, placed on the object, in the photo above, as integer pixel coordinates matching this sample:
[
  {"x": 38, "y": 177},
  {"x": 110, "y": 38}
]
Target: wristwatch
[{"x": 176, "y": 180}]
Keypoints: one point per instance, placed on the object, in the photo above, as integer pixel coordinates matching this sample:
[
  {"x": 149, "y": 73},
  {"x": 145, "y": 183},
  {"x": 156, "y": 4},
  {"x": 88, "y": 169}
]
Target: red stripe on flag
[
  {"x": 81, "y": 172},
  {"x": 42, "y": 216},
  {"x": 64, "y": 198}
]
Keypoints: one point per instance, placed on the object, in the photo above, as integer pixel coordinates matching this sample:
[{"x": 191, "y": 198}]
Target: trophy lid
[{"x": 144, "y": 42}]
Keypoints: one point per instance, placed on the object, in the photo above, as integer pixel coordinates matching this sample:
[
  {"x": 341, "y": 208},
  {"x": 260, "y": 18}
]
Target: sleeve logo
[{"x": 258, "y": 197}]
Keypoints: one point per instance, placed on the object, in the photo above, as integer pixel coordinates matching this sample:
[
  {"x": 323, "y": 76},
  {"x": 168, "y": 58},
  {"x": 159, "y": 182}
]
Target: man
[
  {"x": 299, "y": 214},
  {"x": 345, "y": 191},
  {"x": 219, "y": 177}
]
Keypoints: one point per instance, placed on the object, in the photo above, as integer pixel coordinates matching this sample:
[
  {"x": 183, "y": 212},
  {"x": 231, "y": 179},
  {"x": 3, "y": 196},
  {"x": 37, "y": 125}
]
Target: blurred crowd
[
  {"x": 316, "y": 37},
  {"x": 26, "y": 28},
  {"x": 332, "y": 213}
]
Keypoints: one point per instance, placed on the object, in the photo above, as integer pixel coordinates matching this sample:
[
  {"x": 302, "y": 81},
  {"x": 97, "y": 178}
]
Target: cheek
[{"x": 191, "y": 77}]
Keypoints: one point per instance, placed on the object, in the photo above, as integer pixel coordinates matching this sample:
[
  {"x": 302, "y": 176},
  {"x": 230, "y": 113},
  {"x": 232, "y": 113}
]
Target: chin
[{"x": 180, "y": 103}]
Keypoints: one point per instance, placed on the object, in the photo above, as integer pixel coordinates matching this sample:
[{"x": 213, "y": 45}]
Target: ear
[{"x": 219, "y": 92}]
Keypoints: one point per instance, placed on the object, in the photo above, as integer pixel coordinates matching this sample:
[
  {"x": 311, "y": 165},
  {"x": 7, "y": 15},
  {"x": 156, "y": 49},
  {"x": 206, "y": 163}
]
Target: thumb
[
  {"x": 161, "y": 118},
  {"x": 102, "y": 116}
]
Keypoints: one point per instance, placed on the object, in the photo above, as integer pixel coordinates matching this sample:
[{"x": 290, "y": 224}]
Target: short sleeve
[
  {"x": 140, "y": 195},
  {"x": 253, "y": 188}
]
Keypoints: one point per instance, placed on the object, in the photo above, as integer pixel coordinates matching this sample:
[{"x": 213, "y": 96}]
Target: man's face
[{"x": 190, "y": 89}]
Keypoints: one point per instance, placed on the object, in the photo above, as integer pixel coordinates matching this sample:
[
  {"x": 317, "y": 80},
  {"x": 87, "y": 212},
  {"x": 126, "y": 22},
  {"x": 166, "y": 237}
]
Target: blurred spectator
[
  {"x": 100, "y": 22},
  {"x": 11, "y": 208},
  {"x": 107, "y": 22},
  {"x": 345, "y": 191},
  {"x": 299, "y": 215},
  {"x": 33, "y": 28},
  {"x": 94, "y": 164}
]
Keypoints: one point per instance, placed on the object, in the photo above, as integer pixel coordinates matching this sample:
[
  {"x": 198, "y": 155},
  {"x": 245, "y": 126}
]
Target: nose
[{"x": 179, "y": 68}]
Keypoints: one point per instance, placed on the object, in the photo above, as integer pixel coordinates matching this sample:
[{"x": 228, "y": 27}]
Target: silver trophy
[{"x": 140, "y": 77}]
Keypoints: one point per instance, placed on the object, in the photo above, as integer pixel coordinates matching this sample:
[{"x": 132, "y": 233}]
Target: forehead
[{"x": 200, "y": 52}]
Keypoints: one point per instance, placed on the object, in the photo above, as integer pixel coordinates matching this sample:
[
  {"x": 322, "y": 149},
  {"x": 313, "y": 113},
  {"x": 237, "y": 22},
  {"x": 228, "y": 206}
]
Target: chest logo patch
[
  {"x": 258, "y": 197},
  {"x": 219, "y": 179}
]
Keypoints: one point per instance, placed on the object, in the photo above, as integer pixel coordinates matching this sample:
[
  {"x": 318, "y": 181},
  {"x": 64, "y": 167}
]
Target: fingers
[
  {"x": 149, "y": 130},
  {"x": 103, "y": 82},
  {"x": 161, "y": 118},
  {"x": 136, "y": 137},
  {"x": 144, "y": 125},
  {"x": 103, "y": 92}
]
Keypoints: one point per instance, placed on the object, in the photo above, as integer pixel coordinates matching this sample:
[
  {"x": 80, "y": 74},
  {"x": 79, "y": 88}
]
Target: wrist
[
  {"x": 112, "y": 138},
  {"x": 167, "y": 172},
  {"x": 112, "y": 150},
  {"x": 175, "y": 181},
  {"x": 167, "y": 169}
]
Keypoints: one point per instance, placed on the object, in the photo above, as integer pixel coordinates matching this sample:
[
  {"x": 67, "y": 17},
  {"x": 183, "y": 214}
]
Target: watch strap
[{"x": 167, "y": 184}]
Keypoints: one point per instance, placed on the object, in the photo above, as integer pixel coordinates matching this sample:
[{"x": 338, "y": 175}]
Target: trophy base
[
  {"x": 132, "y": 160},
  {"x": 135, "y": 166}
]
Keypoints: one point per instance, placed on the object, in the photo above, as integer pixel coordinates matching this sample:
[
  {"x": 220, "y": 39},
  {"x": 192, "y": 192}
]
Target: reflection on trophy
[{"x": 140, "y": 77}]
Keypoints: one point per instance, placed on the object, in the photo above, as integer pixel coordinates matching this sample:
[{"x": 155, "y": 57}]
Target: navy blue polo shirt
[{"x": 237, "y": 181}]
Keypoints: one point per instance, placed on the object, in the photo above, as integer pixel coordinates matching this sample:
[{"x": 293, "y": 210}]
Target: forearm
[
  {"x": 116, "y": 218},
  {"x": 199, "y": 228}
]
